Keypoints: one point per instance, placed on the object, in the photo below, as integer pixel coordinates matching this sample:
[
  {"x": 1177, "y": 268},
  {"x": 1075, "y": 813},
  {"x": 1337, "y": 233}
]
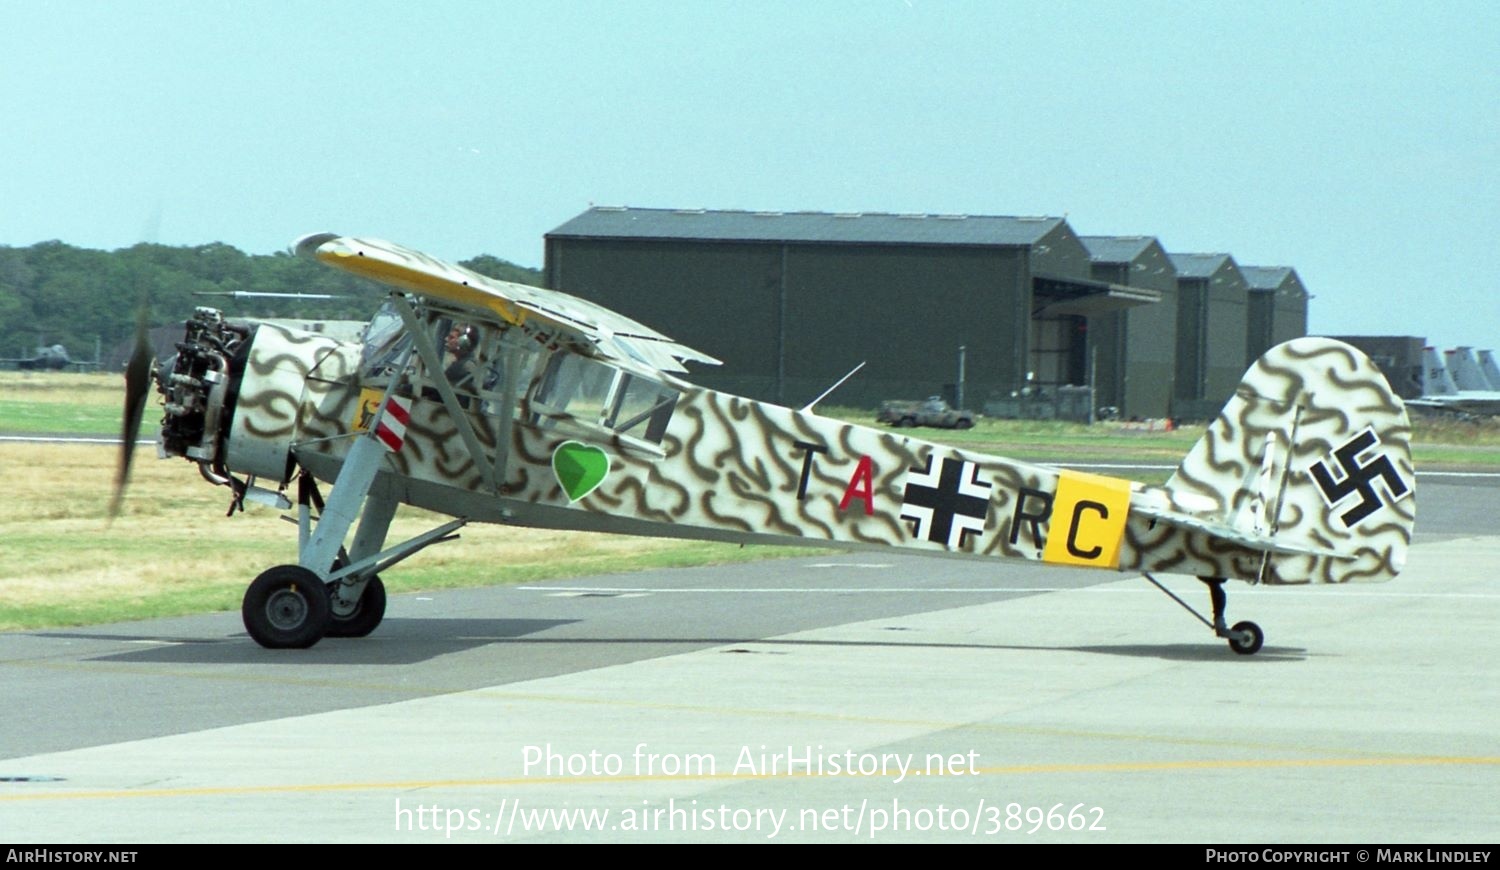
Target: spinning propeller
[{"x": 137, "y": 387}]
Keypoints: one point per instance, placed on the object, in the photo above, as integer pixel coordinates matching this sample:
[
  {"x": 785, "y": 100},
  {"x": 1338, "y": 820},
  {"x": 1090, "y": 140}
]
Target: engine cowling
[{"x": 235, "y": 390}]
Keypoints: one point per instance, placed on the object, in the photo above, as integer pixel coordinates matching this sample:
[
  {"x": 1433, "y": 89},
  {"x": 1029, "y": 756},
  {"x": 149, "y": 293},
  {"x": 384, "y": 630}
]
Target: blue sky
[{"x": 1357, "y": 142}]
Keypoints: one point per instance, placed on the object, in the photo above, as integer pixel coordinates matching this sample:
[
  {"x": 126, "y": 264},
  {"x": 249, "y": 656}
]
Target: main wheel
[
  {"x": 286, "y": 607},
  {"x": 366, "y": 615},
  {"x": 1246, "y": 638}
]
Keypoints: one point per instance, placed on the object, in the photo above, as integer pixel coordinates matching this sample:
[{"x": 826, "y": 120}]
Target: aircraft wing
[
  {"x": 612, "y": 335},
  {"x": 1483, "y": 404}
]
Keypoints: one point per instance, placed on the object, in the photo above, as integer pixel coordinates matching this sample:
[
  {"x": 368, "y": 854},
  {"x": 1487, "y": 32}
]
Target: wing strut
[
  {"x": 434, "y": 365},
  {"x": 321, "y": 547}
]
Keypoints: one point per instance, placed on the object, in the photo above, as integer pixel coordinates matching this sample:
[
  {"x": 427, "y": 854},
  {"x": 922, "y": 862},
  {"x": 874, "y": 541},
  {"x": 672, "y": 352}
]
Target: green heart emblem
[{"x": 579, "y": 468}]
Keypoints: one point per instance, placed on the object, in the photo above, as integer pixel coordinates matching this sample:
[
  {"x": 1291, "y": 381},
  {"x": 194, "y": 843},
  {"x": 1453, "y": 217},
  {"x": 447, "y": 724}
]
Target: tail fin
[
  {"x": 1435, "y": 378},
  {"x": 1466, "y": 372},
  {"x": 1311, "y": 453},
  {"x": 1491, "y": 371}
]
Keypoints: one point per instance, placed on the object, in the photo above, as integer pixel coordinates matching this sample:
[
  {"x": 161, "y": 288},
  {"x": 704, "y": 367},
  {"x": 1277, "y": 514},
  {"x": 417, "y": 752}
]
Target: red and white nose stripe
[{"x": 391, "y": 430}]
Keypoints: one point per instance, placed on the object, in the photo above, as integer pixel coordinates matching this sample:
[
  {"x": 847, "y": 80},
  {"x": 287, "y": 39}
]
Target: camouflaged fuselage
[{"x": 734, "y": 469}]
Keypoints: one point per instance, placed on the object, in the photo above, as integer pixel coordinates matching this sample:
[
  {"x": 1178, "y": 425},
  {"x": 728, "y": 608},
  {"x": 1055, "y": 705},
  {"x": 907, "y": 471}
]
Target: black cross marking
[
  {"x": 1355, "y": 478},
  {"x": 945, "y": 501}
]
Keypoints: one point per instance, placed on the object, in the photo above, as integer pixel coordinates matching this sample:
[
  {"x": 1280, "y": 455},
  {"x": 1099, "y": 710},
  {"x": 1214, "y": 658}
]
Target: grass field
[
  {"x": 173, "y": 551},
  {"x": 60, "y": 404}
]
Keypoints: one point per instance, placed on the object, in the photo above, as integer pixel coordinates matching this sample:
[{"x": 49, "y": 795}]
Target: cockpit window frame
[{"x": 641, "y": 398}]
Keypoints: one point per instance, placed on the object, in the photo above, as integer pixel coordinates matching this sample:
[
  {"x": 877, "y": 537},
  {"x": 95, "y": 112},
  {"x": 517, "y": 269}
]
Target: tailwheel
[
  {"x": 1246, "y": 638},
  {"x": 363, "y": 617},
  {"x": 287, "y": 607}
]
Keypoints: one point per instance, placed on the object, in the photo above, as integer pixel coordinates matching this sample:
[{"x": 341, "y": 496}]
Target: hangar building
[
  {"x": 1211, "y": 333},
  {"x": 1277, "y": 308},
  {"x": 1399, "y": 358},
  {"x": 791, "y": 301},
  {"x": 1135, "y": 347}
]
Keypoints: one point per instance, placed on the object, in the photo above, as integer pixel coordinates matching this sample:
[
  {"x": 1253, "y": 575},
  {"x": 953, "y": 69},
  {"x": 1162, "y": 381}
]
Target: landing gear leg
[
  {"x": 1219, "y": 599},
  {"x": 282, "y": 612},
  {"x": 358, "y": 600},
  {"x": 279, "y": 610},
  {"x": 1245, "y": 638}
]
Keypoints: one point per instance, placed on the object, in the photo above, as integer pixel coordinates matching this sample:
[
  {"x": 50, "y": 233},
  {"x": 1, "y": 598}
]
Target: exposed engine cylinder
[{"x": 196, "y": 386}]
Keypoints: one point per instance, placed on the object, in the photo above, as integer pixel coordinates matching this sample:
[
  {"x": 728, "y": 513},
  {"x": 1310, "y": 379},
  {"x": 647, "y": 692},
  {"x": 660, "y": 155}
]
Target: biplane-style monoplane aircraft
[{"x": 502, "y": 403}]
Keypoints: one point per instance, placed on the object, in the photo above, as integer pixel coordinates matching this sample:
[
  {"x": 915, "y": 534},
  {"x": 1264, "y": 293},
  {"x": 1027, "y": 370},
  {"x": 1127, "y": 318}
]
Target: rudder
[{"x": 1312, "y": 451}]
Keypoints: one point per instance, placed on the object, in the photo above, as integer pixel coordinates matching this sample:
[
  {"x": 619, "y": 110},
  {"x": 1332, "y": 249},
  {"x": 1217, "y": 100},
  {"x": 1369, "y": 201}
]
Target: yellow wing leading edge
[{"x": 612, "y": 335}]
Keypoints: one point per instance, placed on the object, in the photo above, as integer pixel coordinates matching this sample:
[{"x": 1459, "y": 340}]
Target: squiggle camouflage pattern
[
  {"x": 1339, "y": 479},
  {"x": 1306, "y": 476}
]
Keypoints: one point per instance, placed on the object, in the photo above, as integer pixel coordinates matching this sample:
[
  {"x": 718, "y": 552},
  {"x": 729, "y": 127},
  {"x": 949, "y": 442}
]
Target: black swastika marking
[{"x": 1355, "y": 478}]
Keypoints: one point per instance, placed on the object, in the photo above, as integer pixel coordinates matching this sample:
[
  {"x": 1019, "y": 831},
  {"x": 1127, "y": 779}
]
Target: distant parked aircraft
[
  {"x": 1441, "y": 393},
  {"x": 45, "y": 358},
  {"x": 1491, "y": 371}
]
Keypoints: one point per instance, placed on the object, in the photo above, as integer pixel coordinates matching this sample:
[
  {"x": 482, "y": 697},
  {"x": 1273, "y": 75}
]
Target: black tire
[
  {"x": 964, "y": 423},
  {"x": 1246, "y": 638},
  {"x": 906, "y": 422},
  {"x": 365, "y": 616},
  {"x": 286, "y": 607}
]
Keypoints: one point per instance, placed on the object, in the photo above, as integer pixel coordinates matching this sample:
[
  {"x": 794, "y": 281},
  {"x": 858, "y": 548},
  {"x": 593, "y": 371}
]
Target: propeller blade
[{"x": 137, "y": 387}]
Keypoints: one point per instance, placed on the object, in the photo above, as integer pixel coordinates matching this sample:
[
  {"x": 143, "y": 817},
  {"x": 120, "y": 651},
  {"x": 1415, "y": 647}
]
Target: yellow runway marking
[
  {"x": 510, "y": 697},
  {"x": 1012, "y": 770}
]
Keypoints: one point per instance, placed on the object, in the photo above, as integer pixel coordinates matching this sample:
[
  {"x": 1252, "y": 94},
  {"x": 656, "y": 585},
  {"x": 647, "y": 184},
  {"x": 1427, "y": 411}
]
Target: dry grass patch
[
  {"x": 173, "y": 550},
  {"x": 98, "y": 388}
]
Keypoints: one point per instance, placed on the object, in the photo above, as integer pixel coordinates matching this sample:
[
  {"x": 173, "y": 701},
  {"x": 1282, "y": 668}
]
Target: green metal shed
[{"x": 791, "y": 301}]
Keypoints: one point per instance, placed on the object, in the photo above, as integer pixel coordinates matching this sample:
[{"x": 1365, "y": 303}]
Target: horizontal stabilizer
[{"x": 1224, "y": 532}]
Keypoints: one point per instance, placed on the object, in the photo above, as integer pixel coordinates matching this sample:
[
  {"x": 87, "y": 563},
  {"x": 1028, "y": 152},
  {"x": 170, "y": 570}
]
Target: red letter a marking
[{"x": 861, "y": 486}]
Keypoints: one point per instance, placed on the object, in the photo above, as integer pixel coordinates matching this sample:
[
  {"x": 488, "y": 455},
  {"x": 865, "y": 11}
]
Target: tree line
[{"x": 55, "y": 293}]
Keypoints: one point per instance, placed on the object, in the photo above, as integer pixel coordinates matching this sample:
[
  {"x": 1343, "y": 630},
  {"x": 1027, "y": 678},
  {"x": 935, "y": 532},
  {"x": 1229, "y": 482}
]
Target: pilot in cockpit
[
  {"x": 460, "y": 347},
  {"x": 458, "y": 353}
]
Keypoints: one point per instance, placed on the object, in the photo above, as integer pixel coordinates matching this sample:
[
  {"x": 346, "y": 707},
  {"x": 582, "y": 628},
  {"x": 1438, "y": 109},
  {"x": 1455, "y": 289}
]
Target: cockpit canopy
[{"x": 497, "y": 369}]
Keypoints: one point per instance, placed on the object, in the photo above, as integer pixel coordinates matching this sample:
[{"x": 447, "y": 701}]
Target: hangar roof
[
  {"x": 1198, "y": 265},
  {"x": 1116, "y": 249},
  {"x": 806, "y": 226},
  {"x": 1270, "y": 277}
]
